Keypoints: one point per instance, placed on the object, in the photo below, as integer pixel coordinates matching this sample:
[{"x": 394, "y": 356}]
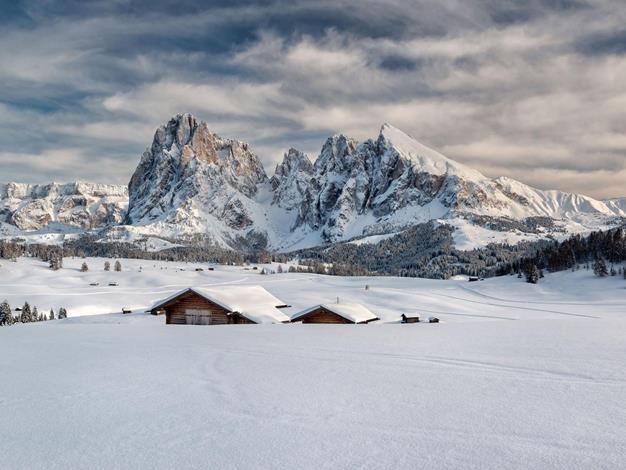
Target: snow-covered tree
[
  {"x": 56, "y": 262},
  {"x": 107, "y": 265},
  {"x": 6, "y": 316},
  {"x": 118, "y": 266},
  {"x": 599, "y": 268},
  {"x": 34, "y": 316},
  {"x": 51, "y": 315},
  {"x": 84, "y": 267},
  {"x": 62, "y": 313},
  {"x": 25, "y": 315},
  {"x": 532, "y": 274}
]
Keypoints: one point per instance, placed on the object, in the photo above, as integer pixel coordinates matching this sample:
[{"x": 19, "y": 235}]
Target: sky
[{"x": 534, "y": 90}]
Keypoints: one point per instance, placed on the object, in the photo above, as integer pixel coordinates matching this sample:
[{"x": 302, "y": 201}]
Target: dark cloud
[
  {"x": 613, "y": 42},
  {"x": 509, "y": 12},
  {"x": 535, "y": 90}
]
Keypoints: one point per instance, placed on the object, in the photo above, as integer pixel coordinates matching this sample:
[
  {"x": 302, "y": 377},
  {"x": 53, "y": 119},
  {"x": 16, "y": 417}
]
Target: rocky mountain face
[
  {"x": 189, "y": 172},
  {"x": 393, "y": 182},
  {"x": 192, "y": 184},
  {"x": 79, "y": 205}
]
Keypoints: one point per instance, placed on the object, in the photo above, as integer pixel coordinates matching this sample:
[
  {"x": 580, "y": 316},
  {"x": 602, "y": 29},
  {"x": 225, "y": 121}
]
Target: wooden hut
[
  {"x": 221, "y": 305},
  {"x": 336, "y": 313},
  {"x": 410, "y": 318}
]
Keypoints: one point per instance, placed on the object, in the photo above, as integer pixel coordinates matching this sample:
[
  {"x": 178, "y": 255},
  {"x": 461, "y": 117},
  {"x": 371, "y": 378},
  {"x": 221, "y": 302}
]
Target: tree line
[
  {"x": 600, "y": 251},
  {"x": 26, "y": 314},
  {"x": 424, "y": 250}
]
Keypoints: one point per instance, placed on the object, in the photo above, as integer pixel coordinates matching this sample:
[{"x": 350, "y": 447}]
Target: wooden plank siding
[
  {"x": 176, "y": 311},
  {"x": 322, "y": 315}
]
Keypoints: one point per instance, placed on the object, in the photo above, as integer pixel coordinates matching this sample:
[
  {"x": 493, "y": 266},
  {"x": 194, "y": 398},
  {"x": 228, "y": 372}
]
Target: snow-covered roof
[
  {"x": 253, "y": 302},
  {"x": 353, "y": 312}
]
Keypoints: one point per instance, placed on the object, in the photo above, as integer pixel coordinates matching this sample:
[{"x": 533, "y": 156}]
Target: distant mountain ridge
[
  {"x": 192, "y": 184},
  {"x": 83, "y": 205}
]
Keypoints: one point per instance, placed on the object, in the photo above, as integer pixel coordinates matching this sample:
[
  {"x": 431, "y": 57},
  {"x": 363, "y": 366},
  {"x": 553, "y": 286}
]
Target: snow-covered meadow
[{"x": 515, "y": 375}]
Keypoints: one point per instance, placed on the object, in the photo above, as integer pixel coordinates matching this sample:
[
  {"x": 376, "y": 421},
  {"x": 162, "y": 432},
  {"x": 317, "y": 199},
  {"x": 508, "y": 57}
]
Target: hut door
[{"x": 197, "y": 317}]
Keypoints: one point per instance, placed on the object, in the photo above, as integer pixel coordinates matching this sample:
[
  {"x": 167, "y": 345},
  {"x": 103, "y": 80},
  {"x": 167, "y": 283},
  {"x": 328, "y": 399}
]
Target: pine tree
[
  {"x": 532, "y": 274},
  {"x": 84, "y": 268},
  {"x": 25, "y": 316},
  {"x": 51, "y": 315},
  {"x": 107, "y": 266},
  {"x": 34, "y": 316},
  {"x": 6, "y": 317},
  {"x": 62, "y": 313},
  {"x": 599, "y": 268},
  {"x": 118, "y": 266},
  {"x": 56, "y": 262},
  {"x": 280, "y": 268}
]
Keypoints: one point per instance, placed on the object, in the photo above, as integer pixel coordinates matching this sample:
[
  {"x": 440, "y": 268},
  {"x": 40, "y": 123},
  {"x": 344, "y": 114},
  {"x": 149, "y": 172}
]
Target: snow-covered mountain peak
[
  {"x": 294, "y": 160},
  {"x": 186, "y": 160},
  {"x": 424, "y": 158},
  {"x": 334, "y": 153},
  {"x": 190, "y": 141},
  {"x": 292, "y": 182}
]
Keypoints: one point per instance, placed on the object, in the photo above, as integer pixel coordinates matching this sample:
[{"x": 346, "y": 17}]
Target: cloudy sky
[{"x": 535, "y": 89}]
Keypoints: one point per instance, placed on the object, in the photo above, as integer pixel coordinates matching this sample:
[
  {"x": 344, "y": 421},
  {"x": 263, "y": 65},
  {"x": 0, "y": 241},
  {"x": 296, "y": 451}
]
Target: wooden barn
[
  {"x": 221, "y": 305},
  {"x": 409, "y": 318},
  {"x": 336, "y": 313}
]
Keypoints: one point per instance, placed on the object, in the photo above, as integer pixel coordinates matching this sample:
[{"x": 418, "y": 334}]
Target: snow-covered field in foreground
[{"x": 516, "y": 376}]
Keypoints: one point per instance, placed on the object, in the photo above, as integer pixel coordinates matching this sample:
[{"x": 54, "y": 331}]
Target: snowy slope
[
  {"x": 516, "y": 376},
  {"x": 618, "y": 205}
]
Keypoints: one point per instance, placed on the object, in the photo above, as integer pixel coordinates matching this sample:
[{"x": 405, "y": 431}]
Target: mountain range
[{"x": 192, "y": 185}]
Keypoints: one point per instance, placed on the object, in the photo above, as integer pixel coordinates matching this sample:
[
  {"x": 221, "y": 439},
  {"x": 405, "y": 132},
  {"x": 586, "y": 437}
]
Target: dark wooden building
[
  {"x": 221, "y": 306},
  {"x": 410, "y": 318},
  {"x": 350, "y": 313}
]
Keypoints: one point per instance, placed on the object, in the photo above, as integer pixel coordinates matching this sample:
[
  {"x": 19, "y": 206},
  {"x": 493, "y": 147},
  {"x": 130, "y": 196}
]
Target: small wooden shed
[
  {"x": 410, "y": 318},
  {"x": 221, "y": 305},
  {"x": 336, "y": 313}
]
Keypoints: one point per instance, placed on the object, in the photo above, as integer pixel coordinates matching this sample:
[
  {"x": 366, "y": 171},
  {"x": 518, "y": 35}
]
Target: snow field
[{"x": 516, "y": 376}]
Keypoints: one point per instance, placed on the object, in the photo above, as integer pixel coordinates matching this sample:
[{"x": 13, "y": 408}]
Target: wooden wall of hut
[
  {"x": 189, "y": 308},
  {"x": 321, "y": 315}
]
